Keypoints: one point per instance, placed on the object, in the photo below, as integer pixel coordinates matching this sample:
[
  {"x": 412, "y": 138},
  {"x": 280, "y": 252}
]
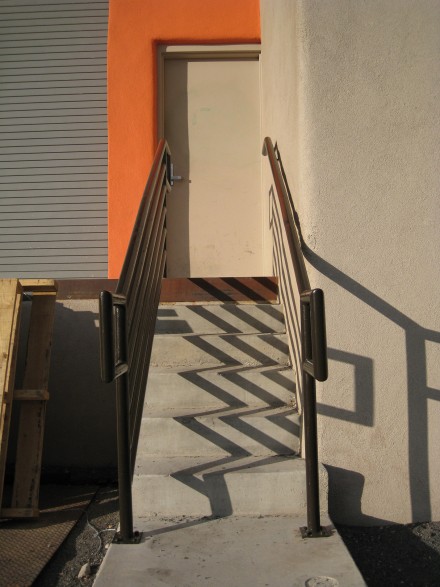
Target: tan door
[{"x": 212, "y": 124}]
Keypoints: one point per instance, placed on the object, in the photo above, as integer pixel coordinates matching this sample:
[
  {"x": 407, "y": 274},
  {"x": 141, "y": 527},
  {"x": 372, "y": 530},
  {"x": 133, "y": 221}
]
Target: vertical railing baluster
[{"x": 310, "y": 422}]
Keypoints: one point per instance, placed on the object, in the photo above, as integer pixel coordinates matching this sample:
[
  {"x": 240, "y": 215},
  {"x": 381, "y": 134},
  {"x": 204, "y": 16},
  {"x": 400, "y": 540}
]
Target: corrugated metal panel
[{"x": 53, "y": 138}]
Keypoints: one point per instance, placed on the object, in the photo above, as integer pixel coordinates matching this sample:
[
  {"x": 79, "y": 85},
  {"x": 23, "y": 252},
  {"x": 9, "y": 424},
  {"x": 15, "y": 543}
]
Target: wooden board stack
[{"x": 32, "y": 399}]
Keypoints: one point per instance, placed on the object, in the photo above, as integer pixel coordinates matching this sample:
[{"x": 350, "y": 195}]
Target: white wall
[{"x": 351, "y": 94}]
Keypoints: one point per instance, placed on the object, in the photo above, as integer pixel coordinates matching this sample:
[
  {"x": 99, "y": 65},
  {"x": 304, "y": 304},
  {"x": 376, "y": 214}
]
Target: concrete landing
[{"x": 229, "y": 552}]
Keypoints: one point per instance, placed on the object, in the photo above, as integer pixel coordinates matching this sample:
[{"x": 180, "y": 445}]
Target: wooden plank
[
  {"x": 32, "y": 414},
  {"x": 39, "y": 285},
  {"x": 19, "y": 512},
  {"x": 220, "y": 289},
  {"x": 26, "y": 395},
  {"x": 84, "y": 289},
  {"x": 10, "y": 305}
]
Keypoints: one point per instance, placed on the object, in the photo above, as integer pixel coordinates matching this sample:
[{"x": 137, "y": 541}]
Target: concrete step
[
  {"x": 216, "y": 350},
  {"x": 222, "y": 487},
  {"x": 261, "y": 551},
  {"x": 220, "y": 387},
  {"x": 240, "y": 431},
  {"x": 219, "y": 318}
]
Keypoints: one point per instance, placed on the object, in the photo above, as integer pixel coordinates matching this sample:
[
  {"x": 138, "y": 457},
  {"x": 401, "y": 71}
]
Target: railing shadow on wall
[
  {"x": 363, "y": 412},
  {"x": 418, "y": 391}
]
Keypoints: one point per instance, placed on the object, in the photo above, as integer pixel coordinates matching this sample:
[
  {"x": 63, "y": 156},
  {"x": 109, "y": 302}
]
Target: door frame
[{"x": 166, "y": 52}]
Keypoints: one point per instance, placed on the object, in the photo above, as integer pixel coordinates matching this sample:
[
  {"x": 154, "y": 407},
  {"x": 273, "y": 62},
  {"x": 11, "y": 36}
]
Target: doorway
[{"x": 211, "y": 120}]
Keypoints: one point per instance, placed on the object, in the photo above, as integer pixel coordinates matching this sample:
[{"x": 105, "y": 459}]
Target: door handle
[{"x": 173, "y": 177}]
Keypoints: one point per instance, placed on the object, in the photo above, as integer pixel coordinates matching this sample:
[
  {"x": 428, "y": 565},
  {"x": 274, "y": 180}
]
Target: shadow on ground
[{"x": 396, "y": 555}]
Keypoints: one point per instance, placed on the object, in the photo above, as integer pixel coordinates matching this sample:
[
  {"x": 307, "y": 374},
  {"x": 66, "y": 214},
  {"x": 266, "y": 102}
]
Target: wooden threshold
[
  {"x": 219, "y": 289},
  {"x": 84, "y": 289}
]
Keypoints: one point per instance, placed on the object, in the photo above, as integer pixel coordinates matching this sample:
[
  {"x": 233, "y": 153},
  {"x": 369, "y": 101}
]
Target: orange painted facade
[{"x": 136, "y": 27}]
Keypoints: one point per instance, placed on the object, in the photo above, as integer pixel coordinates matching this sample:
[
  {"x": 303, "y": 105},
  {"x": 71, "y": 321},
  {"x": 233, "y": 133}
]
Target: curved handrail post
[{"x": 313, "y": 345}]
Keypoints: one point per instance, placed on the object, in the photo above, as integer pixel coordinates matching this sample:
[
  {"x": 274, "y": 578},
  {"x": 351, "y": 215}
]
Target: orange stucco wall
[{"x": 135, "y": 28}]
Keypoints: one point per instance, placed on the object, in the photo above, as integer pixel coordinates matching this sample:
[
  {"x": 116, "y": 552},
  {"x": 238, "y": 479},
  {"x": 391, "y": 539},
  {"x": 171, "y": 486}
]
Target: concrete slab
[
  {"x": 220, "y": 318},
  {"x": 27, "y": 545},
  {"x": 220, "y": 386},
  {"x": 229, "y": 552}
]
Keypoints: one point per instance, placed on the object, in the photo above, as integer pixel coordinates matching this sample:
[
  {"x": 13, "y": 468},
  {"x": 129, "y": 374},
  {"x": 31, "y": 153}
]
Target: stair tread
[
  {"x": 220, "y": 318},
  {"x": 224, "y": 369},
  {"x": 200, "y": 466},
  {"x": 222, "y": 486},
  {"x": 221, "y": 335},
  {"x": 220, "y": 433},
  {"x": 224, "y": 413},
  {"x": 172, "y": 350},
  {"x": 220, "y": 386}
]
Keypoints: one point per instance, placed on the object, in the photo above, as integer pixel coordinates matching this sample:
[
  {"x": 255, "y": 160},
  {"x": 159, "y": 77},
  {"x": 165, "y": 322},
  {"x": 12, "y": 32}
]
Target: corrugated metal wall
[{"x": 53, "y": 138}]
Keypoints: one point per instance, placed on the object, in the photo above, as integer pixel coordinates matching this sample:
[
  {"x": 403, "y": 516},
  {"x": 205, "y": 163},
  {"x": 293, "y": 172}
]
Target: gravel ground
[
  {"x": 86, "y": 543},
  {"x": 388, "y": 556}
]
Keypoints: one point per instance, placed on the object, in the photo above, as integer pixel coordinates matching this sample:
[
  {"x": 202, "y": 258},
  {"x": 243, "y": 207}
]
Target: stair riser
[
  {"x": 206, "y": 435},
  {"x": 220, "y": 318},
  {"x": 193, "y": 351},
  {"x": 237, "y": 493},
  {"x": 216, "y": 388}
]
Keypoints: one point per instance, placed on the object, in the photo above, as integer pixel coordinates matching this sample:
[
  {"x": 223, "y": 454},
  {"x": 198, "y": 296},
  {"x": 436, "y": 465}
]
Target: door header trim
[{"x": 207, "y": 51}]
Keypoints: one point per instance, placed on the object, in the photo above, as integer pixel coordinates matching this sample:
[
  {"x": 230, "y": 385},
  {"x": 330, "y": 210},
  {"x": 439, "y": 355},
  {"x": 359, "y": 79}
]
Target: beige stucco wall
[
  {"x": 351, "y": 94},
  {"x": 280, "y": 109}
]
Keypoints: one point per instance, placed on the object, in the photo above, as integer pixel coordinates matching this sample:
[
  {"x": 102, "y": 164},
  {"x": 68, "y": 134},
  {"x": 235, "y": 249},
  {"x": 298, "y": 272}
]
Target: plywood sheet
[{"x": 26, "y": 546}]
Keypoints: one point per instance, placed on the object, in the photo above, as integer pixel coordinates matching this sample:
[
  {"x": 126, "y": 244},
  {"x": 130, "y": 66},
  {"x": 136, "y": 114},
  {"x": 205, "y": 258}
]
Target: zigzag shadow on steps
[
  {"x": 245, "y": 428},
  {"x": 249, "y": 375},
  {"x": 238, "y": 343},
  {"x": 236, "y": 312},
  {"x": 278, "y": 344},
  {"x": 213, "y": 484},
  {"x": 235, "y": 376}
]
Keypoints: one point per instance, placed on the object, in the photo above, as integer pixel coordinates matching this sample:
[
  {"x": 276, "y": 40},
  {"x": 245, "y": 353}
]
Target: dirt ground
[{"x": 397, "y": 555}]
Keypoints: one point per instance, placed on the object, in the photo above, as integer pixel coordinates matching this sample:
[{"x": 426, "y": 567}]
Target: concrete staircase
[
  {"x": 219, "y": 488},
  {"x": 220, "y": 432}
]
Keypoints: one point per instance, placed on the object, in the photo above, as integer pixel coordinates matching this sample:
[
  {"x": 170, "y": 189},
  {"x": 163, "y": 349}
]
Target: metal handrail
[
  {"x": 127, "y": 320},
  {"x": 313, "y": 344}
]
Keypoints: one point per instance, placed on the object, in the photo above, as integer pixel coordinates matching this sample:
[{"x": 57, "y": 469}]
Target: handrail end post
[
  {"x": 319, "y": 335},
  {"x": 106, "y": 336},
  {"x": 321, "y": 532},
  {"x": 266, "y": 143}
]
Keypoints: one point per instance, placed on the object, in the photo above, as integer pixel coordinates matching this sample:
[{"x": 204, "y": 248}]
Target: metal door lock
[{"x": 173, "y": 177}]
